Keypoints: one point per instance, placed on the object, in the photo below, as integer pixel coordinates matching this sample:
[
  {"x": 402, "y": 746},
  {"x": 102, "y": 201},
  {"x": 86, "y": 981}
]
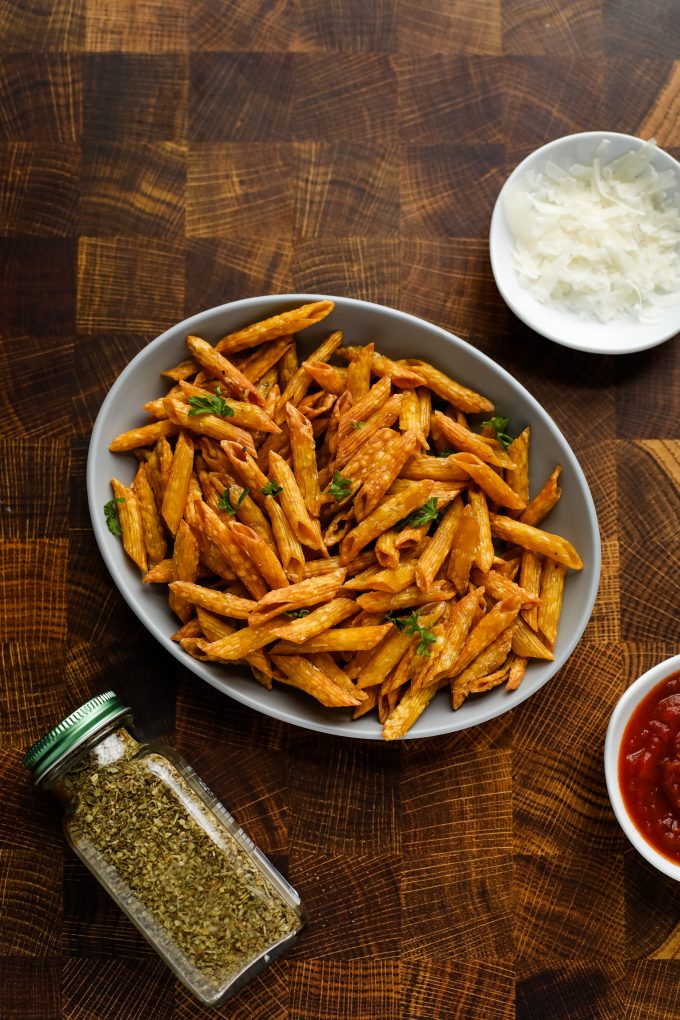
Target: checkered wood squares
[{"x": 157, "y": 159}]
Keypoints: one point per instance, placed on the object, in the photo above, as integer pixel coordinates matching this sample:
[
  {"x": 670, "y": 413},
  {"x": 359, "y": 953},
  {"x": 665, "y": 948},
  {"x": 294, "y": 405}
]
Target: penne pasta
[
  {"x": 459, "y": 396},
  {"x": 152, "y": 524},
  {"x": 147, "y": 435},
  {"x": 439, "y": 548},
  {"x": 543, "y": 502},
  {"x": 394, "y": 509},
  {"x": 489, "y": 482},
  {"x": 262, "y": 360},
  {"x": 275, "y": 327},
  {"x": 552, "y": 590},
  {"x": 346, "y": 530},
  {"x": 179, "y": 481},
  {"x": 318, "y": 623},
  {"x": 498, "y": 619},
  {"x": 517, "y": 476},
  {"x": 463, "y": 550},
  {"x": 238, "y": 560},
  {"x": 451, "y": 434},
  {"x": 337, "y": 639},
  {"x": 298, "y": 596},
  {"x": 531, "y": 565},
  {"x": 184, "y": 568},
  {"x": 359, "y": 373},
  {"x": 234, "y": 382},
  {"x": 553, "y": 546},
  {"x": 300, "y": 382},
  {"x": 131, "y": 526},
  {"x": 237, "y": 413},
  {"x": 489, "y": 659},
  {"x": 382, "y": 418},
  {"x": 260, "y": 553},
  {"x": 308, "y": 677},
  {"x": 205, "y": 424},
  {"x": 304, "y": 527},
  {"x": 385, "y": 602},
  {"x": 396, "y": 450},
  {"x": 329, "y": 377},
  {"x": 484, "y": 552},
  {"x": 400, "y": 375},
  {"x": 304, "y": 458},
  {"x": 217, "y": 602}
]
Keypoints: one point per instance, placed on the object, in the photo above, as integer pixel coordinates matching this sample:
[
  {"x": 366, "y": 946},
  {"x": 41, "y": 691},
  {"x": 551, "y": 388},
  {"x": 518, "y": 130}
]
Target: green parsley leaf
[
  {"x": 111, "y": 515},
  {"x": 271, "y": 488},
  {"x": 445, "y": 453},
  {"x": 426, "y": 638},
  {"x": 358, "y": 425},
  {"x": 410, "y": 625},
  {"x": 340, "y": 488},
  {"x": 398, "y": 621},
  {"x": 421, "y": 515},
  {"x": 224, "y": 502},
  {"x": 499, "y": 425},
  {"x": 297, "y": 614},
  {"x": 214, "y": 404}
]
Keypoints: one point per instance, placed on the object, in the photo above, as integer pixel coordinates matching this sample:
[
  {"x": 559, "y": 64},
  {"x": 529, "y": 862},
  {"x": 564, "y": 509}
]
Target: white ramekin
[{"x": 625, "y": 707}]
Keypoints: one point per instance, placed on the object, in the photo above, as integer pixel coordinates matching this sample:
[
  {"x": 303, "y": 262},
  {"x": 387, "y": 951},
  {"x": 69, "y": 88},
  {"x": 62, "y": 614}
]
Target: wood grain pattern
[{"x": 159, "y": 158}]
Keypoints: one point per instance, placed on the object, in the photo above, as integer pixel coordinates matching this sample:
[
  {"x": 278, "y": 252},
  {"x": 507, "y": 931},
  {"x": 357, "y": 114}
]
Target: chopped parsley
[
  {"x": 297, "y": 614},
  {"x": 214, "y": 404},
  {"x": 224, "y": 502},
  {"x": 499, "y": 425},
  {"x": 358, "y": 425},
  {"x": 340, "y": 488},
  {"x": 410, "y": 625},
  {"x": 421, "y": 515},
  {"x": 111, "y": 515},
  {"x": 271, "y": 488}
]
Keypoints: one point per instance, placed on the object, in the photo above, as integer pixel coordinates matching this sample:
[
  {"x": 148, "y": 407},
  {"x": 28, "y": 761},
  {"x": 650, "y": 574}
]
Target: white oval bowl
[
  {"x": 622, "y": 336},
  {"x": 624, "y": 709},
  {"x": 399, "y": 335}
]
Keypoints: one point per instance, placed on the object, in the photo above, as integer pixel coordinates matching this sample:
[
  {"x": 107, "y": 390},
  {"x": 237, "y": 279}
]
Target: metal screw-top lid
[{"x": 73, "y": 731}]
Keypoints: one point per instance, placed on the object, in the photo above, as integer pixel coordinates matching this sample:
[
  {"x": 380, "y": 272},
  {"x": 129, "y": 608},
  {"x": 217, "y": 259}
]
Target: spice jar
[{"x": 166, "y": 850}]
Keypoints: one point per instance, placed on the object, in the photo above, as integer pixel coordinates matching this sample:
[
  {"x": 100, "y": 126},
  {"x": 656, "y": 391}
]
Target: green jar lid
[{"x": 72, "y": 731}]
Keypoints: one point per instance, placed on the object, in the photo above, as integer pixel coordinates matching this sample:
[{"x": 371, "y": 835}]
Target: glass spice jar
[{"x": 166, "y": 850}]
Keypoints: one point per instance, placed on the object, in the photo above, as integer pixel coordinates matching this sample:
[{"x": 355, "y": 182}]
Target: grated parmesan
[{"x": 599, "y": 240}]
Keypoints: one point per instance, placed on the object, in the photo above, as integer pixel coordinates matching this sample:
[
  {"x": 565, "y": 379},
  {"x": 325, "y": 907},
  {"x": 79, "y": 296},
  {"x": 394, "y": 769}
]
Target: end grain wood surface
[{"x": 164, "y": 156}]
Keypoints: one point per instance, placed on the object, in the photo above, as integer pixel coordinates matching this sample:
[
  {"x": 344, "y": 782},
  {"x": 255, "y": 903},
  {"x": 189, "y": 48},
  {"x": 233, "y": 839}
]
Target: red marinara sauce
[{"x": 649, "y": 767}]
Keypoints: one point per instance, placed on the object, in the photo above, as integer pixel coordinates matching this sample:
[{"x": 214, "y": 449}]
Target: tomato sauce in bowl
[{"x": 649, "y": 767}]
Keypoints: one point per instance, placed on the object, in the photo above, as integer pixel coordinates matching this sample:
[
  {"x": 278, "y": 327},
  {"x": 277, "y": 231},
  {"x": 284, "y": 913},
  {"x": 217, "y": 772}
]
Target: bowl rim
[
  {"x": 518, "y": 308},
  {"x": 618, "y": 721},
  {"x": 188, "y": 325}
]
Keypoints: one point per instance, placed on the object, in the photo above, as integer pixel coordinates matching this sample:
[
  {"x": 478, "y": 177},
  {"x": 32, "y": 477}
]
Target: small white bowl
[
  {"x": 622, "y": 336},
  {"x": 625, "y": 707}
]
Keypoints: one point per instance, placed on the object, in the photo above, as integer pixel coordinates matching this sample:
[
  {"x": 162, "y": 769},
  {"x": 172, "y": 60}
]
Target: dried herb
[
  {"x": 356, "y": 425},
  {"x": 162, "y": 848},
  {"x": 297, "y": 614}
]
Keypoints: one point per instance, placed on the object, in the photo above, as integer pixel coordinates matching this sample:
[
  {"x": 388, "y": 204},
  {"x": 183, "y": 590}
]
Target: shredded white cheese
[{"x": 600, "y": 240}]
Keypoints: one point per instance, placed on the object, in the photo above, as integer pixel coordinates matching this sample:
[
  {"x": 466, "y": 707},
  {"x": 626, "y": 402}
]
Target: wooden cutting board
[{"x": 162, "y": 157}]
